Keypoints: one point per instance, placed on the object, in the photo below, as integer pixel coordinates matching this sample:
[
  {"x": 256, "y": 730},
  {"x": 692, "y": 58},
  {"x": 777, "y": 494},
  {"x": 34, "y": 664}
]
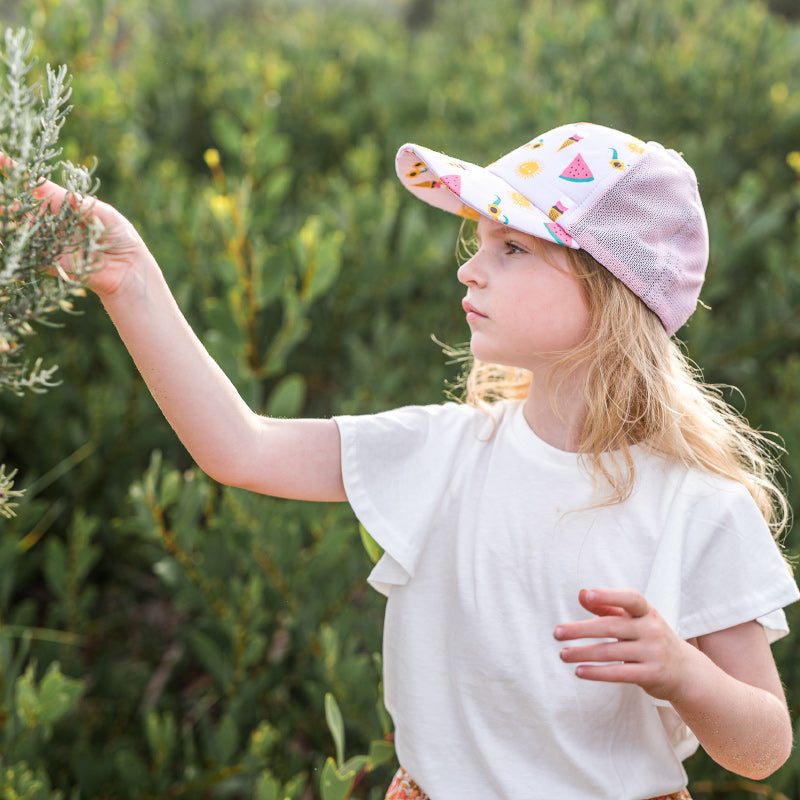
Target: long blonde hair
[{"x": 641, "y": 389}]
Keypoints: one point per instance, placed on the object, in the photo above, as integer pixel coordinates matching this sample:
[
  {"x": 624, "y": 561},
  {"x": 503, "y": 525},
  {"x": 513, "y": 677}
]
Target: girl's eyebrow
[
  {"x": 515, "y": 233},
  {"x": 503, "y": 232}
]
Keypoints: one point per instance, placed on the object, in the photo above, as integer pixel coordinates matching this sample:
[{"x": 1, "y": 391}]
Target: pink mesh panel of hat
[{"x": 633, "y": 205}]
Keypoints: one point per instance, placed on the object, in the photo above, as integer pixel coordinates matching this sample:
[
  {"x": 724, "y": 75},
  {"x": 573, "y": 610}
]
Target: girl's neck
[{"x": 561, "y": 427}]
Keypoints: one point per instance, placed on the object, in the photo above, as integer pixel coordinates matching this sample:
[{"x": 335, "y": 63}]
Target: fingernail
[
  {"x": 590, "y": 596},
  {"x": 558, "y": 632},
  {"x": 564, "y": 652}
]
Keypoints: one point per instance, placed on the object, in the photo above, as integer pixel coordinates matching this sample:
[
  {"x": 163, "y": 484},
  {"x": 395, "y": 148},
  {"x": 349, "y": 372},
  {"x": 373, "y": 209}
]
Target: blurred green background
[{"x": 164, "y": 637}]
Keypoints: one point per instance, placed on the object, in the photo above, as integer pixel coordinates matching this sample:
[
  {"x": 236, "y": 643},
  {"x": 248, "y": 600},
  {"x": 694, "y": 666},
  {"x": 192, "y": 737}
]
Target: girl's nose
[{"x": 471, "y": 273}]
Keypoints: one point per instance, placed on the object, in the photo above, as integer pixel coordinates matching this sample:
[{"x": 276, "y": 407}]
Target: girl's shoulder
[
  {"x": 447, "y": 415},
  {"x": 693, "y": 486}
]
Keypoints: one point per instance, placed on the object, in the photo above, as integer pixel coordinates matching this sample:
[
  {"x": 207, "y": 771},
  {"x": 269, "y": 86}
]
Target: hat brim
[{"x": 471, "y": 191}]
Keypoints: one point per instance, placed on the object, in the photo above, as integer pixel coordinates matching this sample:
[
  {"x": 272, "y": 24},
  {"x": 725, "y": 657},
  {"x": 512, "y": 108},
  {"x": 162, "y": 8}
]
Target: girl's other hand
[{"x": 643, "y": 649}]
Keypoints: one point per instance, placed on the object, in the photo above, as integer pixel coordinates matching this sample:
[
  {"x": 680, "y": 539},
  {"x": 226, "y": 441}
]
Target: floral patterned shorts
[{"x": 403, "y": 788}]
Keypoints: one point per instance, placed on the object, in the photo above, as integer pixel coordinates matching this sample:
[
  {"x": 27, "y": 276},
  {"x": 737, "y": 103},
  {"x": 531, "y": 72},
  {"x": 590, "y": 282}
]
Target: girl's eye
[{"x": 513, "y": 248}]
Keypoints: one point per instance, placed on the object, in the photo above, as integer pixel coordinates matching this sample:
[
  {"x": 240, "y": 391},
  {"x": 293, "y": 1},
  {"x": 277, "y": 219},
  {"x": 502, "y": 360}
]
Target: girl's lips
[{"x": 471, "y": 311}]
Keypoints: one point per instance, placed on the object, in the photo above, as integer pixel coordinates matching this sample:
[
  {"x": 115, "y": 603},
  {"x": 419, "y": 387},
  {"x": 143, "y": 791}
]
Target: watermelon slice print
[
  {"x": 558, "y": 233},
  {"x": 577, "y": 171},
  {"x": 453, "y": 183}
]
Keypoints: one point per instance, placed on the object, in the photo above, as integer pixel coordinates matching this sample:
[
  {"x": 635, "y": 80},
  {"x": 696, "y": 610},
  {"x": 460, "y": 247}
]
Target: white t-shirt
[{"x": 489, "y": 538}]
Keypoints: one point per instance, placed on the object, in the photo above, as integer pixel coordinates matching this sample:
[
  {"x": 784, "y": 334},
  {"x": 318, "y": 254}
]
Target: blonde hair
[{"x": 641, "y": 389}]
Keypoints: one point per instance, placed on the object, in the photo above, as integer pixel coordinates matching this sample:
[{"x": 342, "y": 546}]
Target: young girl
[{"x": 581, "y": 574}]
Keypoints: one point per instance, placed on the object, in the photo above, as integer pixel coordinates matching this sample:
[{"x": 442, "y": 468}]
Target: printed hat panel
[
  {"x": 470, "y": 190},
  {"x": 537, "y": 188}
]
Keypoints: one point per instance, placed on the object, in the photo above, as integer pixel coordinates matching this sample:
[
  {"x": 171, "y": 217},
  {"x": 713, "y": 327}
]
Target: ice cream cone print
[
  {"x": 572, "y": 140},
  {"x": 427, "y": 185},
  {"x": 556, "y": 211}
]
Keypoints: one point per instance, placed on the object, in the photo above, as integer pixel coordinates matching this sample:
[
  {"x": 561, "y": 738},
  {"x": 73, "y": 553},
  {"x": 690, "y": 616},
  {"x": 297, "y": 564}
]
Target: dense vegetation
[{"x": 162, "y": 636}]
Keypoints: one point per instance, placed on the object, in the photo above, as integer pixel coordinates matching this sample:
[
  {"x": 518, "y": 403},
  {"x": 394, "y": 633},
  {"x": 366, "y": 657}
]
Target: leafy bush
[{"x": 198, "y": 629}]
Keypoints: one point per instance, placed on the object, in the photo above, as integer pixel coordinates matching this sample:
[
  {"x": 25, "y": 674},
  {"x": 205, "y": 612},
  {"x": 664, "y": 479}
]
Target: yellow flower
[
  {"x": 793, "y": 160},
  {"x": 211, "y": 157},
  {"x": 221, "y": 206}
]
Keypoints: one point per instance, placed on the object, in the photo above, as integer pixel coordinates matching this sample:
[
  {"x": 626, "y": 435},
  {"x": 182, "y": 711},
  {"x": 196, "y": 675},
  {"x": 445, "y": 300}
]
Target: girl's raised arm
[{"x": 234, "y": 445}]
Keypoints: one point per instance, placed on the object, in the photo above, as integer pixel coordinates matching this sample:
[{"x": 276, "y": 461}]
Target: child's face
[{"x": 524, "y": 304}]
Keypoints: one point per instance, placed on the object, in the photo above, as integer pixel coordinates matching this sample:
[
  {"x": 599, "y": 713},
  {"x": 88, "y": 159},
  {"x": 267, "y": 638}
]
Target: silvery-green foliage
[{"x": 44, "y": 255}]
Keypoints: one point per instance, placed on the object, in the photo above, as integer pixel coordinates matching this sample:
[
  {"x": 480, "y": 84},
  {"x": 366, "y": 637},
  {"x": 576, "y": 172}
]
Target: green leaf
[
  {"x": 262, "y": 740},
  {"x": 380, "y": 752},
  {"x": 374, "y": 550},
  {"x": 383, "y": 715},
  {"x": 226, "y": 740},
  {"x": 58, "y": 694},
  {"x": 171, "y": 487},
  {"x": 333, "y": 716},
  {"x": 26, "y": 701},
  {"x": 333, "y": 784},
  {"x": 266, "y": 788},
  {"x": 214, "y": 659},
  {"x": 161, "y": 733},
  {"x": 55, "y": 567},
  {"x": 85, "y": 555},
  {"x": 286, "y": 399},
  {"x": 319, "y": 256},
  {"x": 355, "y": 764},
  {"x": 327, "y": 264},
  {"x": 329, "y": 640}
]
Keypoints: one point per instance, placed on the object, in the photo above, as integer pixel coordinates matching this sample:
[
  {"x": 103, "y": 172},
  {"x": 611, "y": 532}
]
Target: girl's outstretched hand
[
  {"x": 644, "y": 650},
  {"x": 123, "y": 248}
]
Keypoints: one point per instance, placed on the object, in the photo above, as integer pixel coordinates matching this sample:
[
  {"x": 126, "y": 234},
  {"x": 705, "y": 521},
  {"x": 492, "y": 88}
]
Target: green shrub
[{"x": 252, "y": 145}]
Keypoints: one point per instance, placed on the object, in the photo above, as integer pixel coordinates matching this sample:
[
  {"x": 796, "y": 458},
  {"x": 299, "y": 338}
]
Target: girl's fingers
[
  {"x": 612, "y": 673},
  {"x": 621, "y": 650},
  {"x": 605, "y": 602},
  {"x": 609, "y": 627},
  {"x": 46, "y": 189},
  {"x": 55, "y": 195}
]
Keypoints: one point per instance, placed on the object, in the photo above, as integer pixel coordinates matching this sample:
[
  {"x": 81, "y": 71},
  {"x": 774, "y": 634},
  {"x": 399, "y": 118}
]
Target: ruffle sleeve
[{"x": 397, "y": 467}]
